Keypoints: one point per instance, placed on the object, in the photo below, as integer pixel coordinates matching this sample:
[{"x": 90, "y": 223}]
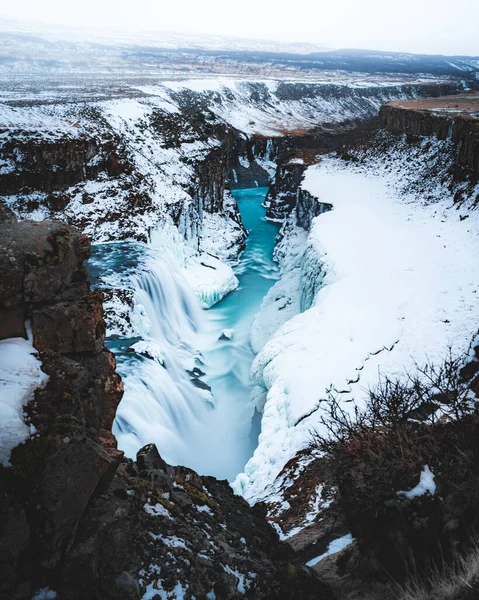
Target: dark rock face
[
  {"x": 38, "y": 263},
  {"x": 295, "y": 91},
  {"x": 463, "y": 130},
  {"x": 169, "y": 527},
  {"x": 281, "y": 198},
  {"x": 56, "y": 165},
  {"x": 75, "y": 515},
  {"x": 71, "y": 327},
  {"x": 286, "y": 196},
  {"x": 73, "y": 454}
]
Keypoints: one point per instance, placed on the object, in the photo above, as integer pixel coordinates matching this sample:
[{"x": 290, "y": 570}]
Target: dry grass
[{"x": 456, "y": 583}]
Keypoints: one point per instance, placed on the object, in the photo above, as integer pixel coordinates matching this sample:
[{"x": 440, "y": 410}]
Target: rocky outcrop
[
  {"x": 72, "y": 454},
  {"x": 455, "y": 118},
  {"x": 166, "y": 529},
  {"x": 77, "y": 517},
  {"x": 285, "y": 194},
  {"x": 41, "y": 263},
  {"x": 281, "y": 197},
  {"x": 50, "y": 165}
]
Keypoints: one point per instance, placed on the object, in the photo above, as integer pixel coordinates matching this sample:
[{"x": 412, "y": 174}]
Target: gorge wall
[
  {"x": 78, "y": 518},
  {"x": 410, "y": 158},
  {"x": 118, "y": 168},
  {"x": 454, "y": 118}
]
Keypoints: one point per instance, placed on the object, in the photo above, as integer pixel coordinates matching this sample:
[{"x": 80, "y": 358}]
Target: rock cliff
[
  {"x": 76, "y": 517},
  {"x": 455, "y": 118}
]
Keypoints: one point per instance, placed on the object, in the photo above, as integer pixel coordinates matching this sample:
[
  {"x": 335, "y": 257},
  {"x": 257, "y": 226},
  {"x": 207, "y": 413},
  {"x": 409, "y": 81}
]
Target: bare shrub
[{"x": 429, "y": 418}]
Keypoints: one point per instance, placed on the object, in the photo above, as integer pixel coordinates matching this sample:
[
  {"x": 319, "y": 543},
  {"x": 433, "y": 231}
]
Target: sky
[{"x": 420, "y": 26}]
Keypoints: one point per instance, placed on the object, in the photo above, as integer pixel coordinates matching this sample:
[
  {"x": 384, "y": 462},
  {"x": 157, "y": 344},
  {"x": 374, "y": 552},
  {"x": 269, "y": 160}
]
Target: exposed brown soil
[{"x": 468, "y": 102}]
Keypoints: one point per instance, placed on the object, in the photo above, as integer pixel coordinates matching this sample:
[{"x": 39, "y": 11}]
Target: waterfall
[
  {"x": 161, "y": 403},
  {"x": 187, "y": 380}
]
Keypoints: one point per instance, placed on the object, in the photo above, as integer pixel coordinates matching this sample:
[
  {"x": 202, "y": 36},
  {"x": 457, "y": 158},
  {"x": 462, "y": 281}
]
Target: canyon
[{"x": 220, "y": 213}]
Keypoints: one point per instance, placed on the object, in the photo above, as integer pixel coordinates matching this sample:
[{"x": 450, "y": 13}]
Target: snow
[
  {"x": 150, "y": 349},
  {"x": 334, "y": 547},
  {"x": 226, "y": 334},
  {"x": 20, "y": 376},
  {"x": 171, "y": 541},
  {"x": 426, "y": 485},
  {"x": 399, "y": 284},
  {"x": 242, "y": 582},
  {"x": 156, "y": 589},
  {"x": 282, "y": 302},
  {"x": 258, "y": 106},
  {"x": 210, "y": 278},
  {"x": 204, "y": 508},
  {"x": 157, "y": 510}
]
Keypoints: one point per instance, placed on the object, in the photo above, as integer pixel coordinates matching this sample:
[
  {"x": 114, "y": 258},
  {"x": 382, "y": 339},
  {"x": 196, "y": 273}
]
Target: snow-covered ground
[
  {"x": 399, "y": 283},
  {"x": 271, "y": 107},
  {"x": 163, "y": 143},
  {"x": 20, "y": 376}
]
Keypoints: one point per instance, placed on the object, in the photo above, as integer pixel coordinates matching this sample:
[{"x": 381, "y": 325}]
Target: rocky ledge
[
  {"x": 76, "y": 517},
  {"x": 450, "y": 117}
]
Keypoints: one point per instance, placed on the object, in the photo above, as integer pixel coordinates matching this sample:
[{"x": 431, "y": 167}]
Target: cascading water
[
  {"x": 161, "y": 402},
  {"x": 166, "y": 399}
]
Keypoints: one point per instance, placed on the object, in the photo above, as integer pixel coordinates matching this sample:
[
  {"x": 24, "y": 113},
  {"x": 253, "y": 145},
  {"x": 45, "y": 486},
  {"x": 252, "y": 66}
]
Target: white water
[
  {"x": 161, "y": 404},
  {"x": 209, "y": 432}
]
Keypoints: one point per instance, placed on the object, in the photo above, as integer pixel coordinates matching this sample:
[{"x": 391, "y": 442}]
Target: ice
[
  {"x": 210, "y": 278},
  {"x": 426, "y": 485},
  {"x": 20, "y": 376}
]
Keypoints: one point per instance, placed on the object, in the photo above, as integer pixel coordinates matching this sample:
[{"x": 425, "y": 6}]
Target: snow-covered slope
[
  {"x": 398, "y": 279},
  {"x": 20, "y": 375}
]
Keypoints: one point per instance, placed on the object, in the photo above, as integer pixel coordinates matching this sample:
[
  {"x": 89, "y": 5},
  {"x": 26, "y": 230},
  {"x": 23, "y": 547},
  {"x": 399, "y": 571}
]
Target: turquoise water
[
  {"x": 228, "y": 362},
  {"x": 214, "y": 433}
]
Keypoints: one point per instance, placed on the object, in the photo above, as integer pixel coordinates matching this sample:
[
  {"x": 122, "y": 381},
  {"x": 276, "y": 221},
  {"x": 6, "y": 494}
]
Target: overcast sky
[{"x": 423, "y": 26}]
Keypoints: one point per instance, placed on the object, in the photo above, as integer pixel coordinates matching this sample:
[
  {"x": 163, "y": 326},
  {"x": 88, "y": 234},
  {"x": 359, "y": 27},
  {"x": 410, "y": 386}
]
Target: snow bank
[
  {"x": 400, "y": 285},
  {"x": 283, "y": 300},
  {"x": 426, "y": 485},
  {"x": 334, "y": 547},
  {"x": 209, "y": 277},
  {"x": 20, "y": 376}
]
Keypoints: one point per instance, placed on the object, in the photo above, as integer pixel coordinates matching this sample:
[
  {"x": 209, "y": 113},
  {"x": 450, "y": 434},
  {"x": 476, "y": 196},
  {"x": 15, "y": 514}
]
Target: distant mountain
[
  {"x": 35, "y": 47},
  {"x": 166, "y": 40}
]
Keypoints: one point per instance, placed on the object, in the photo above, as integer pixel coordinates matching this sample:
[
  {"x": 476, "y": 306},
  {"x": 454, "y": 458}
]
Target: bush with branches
[{"x": 428, "y": 418}]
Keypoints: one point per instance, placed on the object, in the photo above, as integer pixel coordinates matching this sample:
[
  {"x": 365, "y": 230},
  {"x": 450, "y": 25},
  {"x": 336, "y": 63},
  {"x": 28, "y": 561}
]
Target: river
[{"x": 196, "y": 400}]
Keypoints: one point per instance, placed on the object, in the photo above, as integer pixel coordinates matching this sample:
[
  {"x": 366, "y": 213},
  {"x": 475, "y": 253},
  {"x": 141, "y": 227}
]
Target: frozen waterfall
[{"x": 187, "y": 377}]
